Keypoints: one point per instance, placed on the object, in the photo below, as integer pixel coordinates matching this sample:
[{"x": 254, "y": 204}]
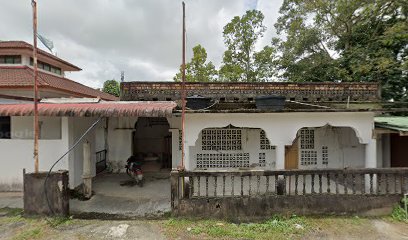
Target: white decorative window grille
[
  {"x": 325, "y": 155},
  {"x": 222, "y": 160},
  {"x": 264, "y": 141},
  {"x": 308, "y": 157},
  {"x": 262, "y": 159},
  {"x": 180, "y": 139},
  {"x": 307, "y": 138},
  {"x": 221, "y": 139}
]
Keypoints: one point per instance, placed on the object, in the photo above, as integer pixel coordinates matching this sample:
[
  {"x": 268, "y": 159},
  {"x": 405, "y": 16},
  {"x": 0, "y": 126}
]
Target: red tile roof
[
  {"x": 4, "y": 45},
  {"x": 22, "y": 76},
  {"x": 101, "y": 109}
]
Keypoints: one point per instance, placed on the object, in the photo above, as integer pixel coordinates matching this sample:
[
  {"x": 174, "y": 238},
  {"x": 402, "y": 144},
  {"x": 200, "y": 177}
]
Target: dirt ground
[{"x": 14, "y": 226}]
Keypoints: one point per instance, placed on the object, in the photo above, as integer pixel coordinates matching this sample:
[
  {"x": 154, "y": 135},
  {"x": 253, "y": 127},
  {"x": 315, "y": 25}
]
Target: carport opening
[{"x": 152, "y": 143}]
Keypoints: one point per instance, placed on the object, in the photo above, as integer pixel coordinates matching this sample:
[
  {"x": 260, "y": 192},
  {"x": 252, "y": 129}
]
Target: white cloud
[{"x": 143, "y": 38}]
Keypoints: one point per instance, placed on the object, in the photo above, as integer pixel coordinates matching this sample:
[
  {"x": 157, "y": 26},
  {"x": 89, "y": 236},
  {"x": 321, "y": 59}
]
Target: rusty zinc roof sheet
[{"x": 102, "y": 109}]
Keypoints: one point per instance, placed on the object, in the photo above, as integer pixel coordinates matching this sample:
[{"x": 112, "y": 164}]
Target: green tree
[
  {"x": 240, "y": 61},
  {"x": 198, "y": 69},
  {"x": 111, "y": 87},
  {"x": 361, "y": 40}
]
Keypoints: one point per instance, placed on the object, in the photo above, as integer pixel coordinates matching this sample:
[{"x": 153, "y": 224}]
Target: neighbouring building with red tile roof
[{"x": 17, "y": 75}]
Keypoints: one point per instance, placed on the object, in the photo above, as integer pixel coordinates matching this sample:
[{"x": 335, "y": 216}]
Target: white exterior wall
[
  {"x": 344, "y": 148},
  {"x": 281, "y": 129},
  {"x": 175, "y": 127},
  {"x": 250, "y": 144},
  {"x": 18, "y": 153},
  {"x": 77, "y": 126},
  {"x": 22, "y": 128},
  {"x": 120, "y": 141}
]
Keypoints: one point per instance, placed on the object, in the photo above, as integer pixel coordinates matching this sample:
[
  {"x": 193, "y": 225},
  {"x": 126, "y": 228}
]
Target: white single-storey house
[{"x": 319, "y": 125}]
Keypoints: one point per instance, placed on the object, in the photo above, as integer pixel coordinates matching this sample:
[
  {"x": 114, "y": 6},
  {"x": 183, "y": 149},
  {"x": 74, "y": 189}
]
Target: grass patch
[
  {"x": 277, "y": 227},
  {"x": 11, "y": 211},
  {"x": 33, "y": 233},
  {"x": 60, "y": 221},
  {"x": 398, "y": 212}
]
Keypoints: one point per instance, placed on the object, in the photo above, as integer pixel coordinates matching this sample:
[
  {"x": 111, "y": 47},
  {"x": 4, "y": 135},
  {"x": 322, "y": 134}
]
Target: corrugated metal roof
[
  {"x": 393, "y": 123},
  {"x": 104, "y": 109}
]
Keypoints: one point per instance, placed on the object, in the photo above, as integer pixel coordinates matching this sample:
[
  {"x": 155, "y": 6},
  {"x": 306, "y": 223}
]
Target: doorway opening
[{"x": 152, "y": 143}]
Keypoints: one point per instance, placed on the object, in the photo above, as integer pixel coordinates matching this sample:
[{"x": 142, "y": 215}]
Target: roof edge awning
[
  {"x": 102, "y": 109},
  {"x": 397, "y": 125}
]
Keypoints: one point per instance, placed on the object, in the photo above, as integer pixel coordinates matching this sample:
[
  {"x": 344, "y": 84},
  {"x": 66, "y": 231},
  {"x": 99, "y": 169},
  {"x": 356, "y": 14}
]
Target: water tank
[
  {"x": 270, "y": 102},
  {"x": 197, "y": 102}
]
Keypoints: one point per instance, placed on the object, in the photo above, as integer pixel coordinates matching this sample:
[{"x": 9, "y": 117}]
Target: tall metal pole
[
  {"x": 36, "y": 125},
  {"x": 183, "y": 88}
]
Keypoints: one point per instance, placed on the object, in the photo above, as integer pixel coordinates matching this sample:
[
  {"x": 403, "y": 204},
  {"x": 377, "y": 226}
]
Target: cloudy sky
[{"x": 142, "y": 38}]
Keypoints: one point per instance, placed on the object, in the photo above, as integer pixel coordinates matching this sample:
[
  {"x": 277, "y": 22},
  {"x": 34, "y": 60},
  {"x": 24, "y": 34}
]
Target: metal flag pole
[
  {"x": 36, "y": 125},
  {"x": 183, "y": 88}
]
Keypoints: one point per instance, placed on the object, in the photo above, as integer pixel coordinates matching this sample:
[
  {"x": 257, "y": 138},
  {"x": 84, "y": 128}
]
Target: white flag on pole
[{"x": 47, "y": 43}]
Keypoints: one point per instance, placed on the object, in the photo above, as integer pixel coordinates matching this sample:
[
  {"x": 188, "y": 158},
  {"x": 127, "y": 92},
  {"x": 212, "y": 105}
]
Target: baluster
[
  {"x": 284, "y": 185},
  {"x": 387, "y": 186},
  {"x": 242, "y": 186},
  {"x": 328, "y": 182},
  {"x": 362, "y": 180},
  {"x": 198, "y": 186},
  {"x": 336, "y": 181},
  {"x": 249, "y": 185},
  {"x": 313, "y": 191},
  {"x": 215, "y": 186},
  {"x": 296, "y": 184},
  {"x": 223, "y": 185},
  {"x": 232, "y": 185},
  {"x": 345, "y": 183},
  {"x": 206, "y": 186},
  {"x": 395, "y": 183},
  {"x": 267, "y": 184},
  {"x": 191, "y": 187},
  {"x": 320, "y": 184},
  {"x": 353, "y": 183},
  {"x": 276, "y": 184},
  {"x": 371, "y": 184},
  {"x": 304, "y": 184},
  {"x": 379, "y": 184},
  {"x": 258, "y": 184}
]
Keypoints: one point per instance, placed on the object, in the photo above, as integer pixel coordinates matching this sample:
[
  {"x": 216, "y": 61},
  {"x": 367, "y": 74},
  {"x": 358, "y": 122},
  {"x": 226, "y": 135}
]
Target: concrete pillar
[
  {"x": 280, "y": 156},
  {"x": 371, "y": 162},
  {"x": 86, "y": 172},
  {"x": 371, "y": 154},
  {"x": 175, "y": 150},
  {"x": 187, "y": 160}
]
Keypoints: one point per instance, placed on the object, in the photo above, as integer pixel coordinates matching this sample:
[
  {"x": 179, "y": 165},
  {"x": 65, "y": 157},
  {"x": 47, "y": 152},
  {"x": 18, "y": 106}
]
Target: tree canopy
[
  {"x": 198, "y": 69},
  {"x": 241, "y": 62},
  {"x": 112, "y": 87},
  {"x": 319, "y": 40},
  {"x": 342, "y": 40}
]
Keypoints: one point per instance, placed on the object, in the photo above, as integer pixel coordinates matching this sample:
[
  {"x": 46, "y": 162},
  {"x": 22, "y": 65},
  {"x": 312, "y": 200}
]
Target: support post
[
  {"x": 174, "y": 189},
  {"x": 280, "y": 156},
  {"x": 87, "y": 175},
  {"x": 36, "y": 121},
  {"x": 371, "y": 162}
]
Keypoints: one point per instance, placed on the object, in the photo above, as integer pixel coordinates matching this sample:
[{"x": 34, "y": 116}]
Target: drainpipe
[{"x": 86, "y": 172}]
